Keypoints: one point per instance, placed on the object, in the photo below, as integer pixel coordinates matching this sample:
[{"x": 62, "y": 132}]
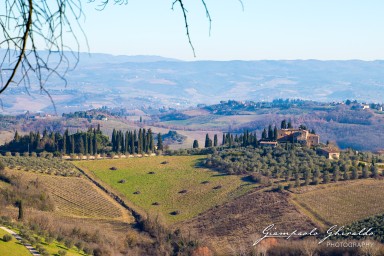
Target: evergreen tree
[
  {"x": 85, "y": 144},
  {"x": 264, "y": 135},
  {"x": 208, "y": 142},
  {"x": 16, "y": 138},
  {"x": 284, "y": 124},
  {"x": 140, "y": 142},
  {"x": 126, "y": 147},
  {"x": 275, "y": 133},
  {"x": 135, "y": 141},
  {"x": 90, "y": 146},
  {"x": 72, "y": 144},
  {"x": 132, "y": 143},
  {"x": 94, "y": 142},
  {"x": 270, "y": 133},
  {"x": 289, "y": 126},
  {"x": 65, "y": 137},
  {"x": 215, "y": 140},
  {"x": 80, "y": 145},
  {"x": 150, "y": 140},
  {"x": 113, "y": 141},
  {"x": 159, "y": 142},
  {"x": 20, "y": 204},
  {"x": 223, "y": 143},
  {"x": 195, "y": 144}
]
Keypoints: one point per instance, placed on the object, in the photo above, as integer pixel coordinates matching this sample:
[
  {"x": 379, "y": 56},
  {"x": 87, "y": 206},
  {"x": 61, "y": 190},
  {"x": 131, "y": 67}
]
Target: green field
[
  {"x": 55, "y": 246},
  {"x": 344, "y": 203},
  {"x": 12, "y": 247},
  {"x": 172, "y": 174}
]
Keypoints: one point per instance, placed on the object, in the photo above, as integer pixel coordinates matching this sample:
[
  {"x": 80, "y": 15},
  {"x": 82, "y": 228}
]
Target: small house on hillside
[
  {"x": 272, "y": 144},
  {"x": 329, "y": 152}
]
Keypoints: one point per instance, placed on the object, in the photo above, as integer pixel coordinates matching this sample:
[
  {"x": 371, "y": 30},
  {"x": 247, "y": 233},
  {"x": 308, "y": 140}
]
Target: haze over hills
[{"x": 143, "y": 81}]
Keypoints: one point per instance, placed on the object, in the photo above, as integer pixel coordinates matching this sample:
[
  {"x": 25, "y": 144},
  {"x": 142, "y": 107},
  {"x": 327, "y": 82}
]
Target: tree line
[
  {"x": 248, "y": 138},
  {"x": 91, "y": 142}
]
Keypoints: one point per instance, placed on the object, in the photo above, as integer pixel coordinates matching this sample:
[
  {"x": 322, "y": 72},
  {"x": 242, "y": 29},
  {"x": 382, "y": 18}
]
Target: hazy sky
[{"x": 266, "y": 29}]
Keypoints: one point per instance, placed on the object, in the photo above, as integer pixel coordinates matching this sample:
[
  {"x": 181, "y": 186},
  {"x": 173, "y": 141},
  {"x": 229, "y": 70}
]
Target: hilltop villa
[{"x": 298, "y": 136}]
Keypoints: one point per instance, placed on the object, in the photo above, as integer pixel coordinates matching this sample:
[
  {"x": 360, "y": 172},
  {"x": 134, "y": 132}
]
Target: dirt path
[{"x": 30, "y": 248}]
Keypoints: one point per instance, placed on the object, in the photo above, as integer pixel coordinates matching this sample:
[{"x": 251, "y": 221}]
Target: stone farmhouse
[
  {"x": 329, "y": 152},
  {"x": 298, "y": 136}
]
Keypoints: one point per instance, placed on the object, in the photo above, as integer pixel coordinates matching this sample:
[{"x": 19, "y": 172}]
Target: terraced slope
[{"x": 78, "y": 197}]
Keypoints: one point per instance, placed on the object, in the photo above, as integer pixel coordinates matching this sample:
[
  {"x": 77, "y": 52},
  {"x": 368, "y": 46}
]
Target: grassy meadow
[
  {"x": 168, "y": 184},
  {"x": 12, "y": 247},
  {"x": 344, "y": 203}
]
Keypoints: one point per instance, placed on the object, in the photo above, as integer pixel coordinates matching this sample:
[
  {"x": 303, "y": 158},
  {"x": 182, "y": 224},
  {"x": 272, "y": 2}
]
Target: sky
[{"x": 265, "y": 29}]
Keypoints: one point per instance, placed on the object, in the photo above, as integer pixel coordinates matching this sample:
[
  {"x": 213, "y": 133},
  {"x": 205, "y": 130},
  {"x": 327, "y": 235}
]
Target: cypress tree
[
  {"x": 223, "y": 143},
  {"x": 270, "y": 133},
  {"x": 150, "y": 140},
  {"x": 215, "y": 140},
  {"x": 72, "y": 144},
  {"x": 65, "y": 142},
  {"x": 140, "y": 142},
  {"x": 126, "y": 147},
  {"x": 289, "y": 126},
  {"x": 85, "y": 143},
  {"x": 206, "y": 144},
  {"x": 284, "y": 124},
  {"x": 195, "y": 144},
  {"x": 133, "y": 141},
  {"x": 275, "y": 133},
  {"x": 21, "y": 210},
  {"x": 114, "y": 146},
  {"x": 144, "y": 140},
  {"x": 159, "y": 142},
  {"x": 264, "y": 134},
  {"x": 94, "y": 142},
  {"x": 90, "y": 146},
  {"x": 80, "y": 145}
]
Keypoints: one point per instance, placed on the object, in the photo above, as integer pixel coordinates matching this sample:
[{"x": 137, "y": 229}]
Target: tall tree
[
  {"x": 159, "y": 142},
  {"x": 208, "y": 141},
  {"x": 289, "y": 126},
  {"x": 195, "y": 144},
  {"x": 264, "y": 134},
  {"x": 270, "y": 133},
  {"x": 275, "y": 133},
  {"x": 283, "y": 124},
  {"x": 215, "y": 140},
  {"x": 20, "y": 204},
  {"x": 94, "y": 142}
]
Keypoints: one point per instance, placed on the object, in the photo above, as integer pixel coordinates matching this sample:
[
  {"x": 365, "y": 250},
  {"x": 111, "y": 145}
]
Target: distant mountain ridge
[{"x": 154, "y": 81}]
